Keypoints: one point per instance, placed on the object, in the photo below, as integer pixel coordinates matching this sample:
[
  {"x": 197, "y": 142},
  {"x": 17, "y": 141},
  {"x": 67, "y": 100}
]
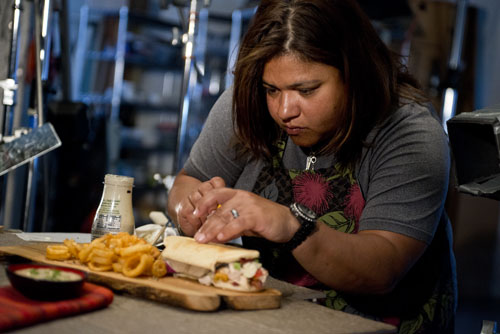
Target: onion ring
[
  {"x": 99, "y": 267},
  {"x": 122, "y": 252},
  {"x": 159, "y": 268},
  {"x": 125, "y": 252},
  {"x": 83, "y": 256},
  {"x": 136, "y": 265},
  {"x": 72, "y": 247},
  {"x": 57, "y": 252},
  {"x": 101, "y": 260}
]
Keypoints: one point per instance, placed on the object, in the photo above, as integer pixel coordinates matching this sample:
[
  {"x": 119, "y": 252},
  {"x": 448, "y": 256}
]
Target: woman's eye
[
  {"x": 270, "y": 91},
  {"x": 306, "y": 91}
]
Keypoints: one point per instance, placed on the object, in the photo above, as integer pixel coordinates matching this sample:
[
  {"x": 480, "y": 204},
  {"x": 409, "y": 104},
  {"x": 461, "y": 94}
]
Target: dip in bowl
[{"x": 46, "y": 282}]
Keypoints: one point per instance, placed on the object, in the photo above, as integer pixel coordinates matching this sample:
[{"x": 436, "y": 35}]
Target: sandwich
[{"x": 223, "y": 266}]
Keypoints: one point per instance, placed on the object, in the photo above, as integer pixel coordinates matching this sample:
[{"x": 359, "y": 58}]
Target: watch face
[{"x": 306, "y": 211}]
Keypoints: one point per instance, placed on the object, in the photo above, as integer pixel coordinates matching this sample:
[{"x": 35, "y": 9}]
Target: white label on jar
[
  {"x": 106, "y": 223},
  {"x": 110, "y": 206}
]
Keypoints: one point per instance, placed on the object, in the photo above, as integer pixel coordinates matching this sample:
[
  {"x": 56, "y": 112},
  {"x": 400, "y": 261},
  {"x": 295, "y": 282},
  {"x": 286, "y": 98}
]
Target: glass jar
[{"x": 115, "y": 213}]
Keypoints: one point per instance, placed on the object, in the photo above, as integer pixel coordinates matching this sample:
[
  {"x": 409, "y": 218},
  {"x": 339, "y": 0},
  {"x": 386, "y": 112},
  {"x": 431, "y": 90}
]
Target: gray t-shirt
[
  {"x": 403, "y": 174},
  {"x": 403, "y": 177}
]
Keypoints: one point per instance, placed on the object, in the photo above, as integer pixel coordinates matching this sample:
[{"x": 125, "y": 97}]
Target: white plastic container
[{"x": 115, "y": 212}]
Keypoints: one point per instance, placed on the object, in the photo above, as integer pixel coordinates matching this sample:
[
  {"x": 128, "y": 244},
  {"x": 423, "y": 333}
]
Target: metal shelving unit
[{"x": 148, "y": 76}]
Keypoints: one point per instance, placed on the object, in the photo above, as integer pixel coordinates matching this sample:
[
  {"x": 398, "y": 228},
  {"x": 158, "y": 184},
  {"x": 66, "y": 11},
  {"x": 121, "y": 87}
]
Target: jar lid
[{"x": 119, "y": 180}]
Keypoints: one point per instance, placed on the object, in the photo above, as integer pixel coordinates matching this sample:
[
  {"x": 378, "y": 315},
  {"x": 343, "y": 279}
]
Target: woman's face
[{"x": 304, "y": 98}]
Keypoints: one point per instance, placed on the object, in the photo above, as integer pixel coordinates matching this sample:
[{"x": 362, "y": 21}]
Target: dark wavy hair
[{"x": 331, "y": 32}]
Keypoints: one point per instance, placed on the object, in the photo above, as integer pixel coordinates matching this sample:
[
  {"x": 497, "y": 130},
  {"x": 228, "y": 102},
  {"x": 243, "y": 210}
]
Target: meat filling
[{"x": 242, "y": 275}]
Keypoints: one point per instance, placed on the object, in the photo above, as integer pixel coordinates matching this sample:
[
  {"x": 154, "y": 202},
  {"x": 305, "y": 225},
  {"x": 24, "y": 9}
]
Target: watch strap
[{"x": 307, "y": 227}]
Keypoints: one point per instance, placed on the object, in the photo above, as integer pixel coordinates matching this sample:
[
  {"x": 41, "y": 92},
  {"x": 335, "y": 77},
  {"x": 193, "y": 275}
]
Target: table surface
[{"x": 128, "y": 314}]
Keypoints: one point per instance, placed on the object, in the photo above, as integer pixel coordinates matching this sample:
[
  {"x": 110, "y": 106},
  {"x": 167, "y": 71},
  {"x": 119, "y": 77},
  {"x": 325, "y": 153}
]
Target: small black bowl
[{"x": 45, "y": 289}]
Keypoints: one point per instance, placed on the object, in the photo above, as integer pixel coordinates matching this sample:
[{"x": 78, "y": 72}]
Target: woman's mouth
[{"x": 293, "y": 131}]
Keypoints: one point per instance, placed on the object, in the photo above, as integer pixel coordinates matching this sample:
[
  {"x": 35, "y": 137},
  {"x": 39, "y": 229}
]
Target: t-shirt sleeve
[
  {"x": 404, "y": 175},
  {"x": 212, "y": 154}
]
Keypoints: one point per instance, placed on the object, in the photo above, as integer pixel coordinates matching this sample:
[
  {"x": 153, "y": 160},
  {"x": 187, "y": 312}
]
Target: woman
[{"x": 326, "y": 159}]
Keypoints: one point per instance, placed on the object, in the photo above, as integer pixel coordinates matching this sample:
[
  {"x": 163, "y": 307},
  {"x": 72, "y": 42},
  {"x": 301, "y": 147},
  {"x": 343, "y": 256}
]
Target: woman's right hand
[{"x": 188, "y": 222}]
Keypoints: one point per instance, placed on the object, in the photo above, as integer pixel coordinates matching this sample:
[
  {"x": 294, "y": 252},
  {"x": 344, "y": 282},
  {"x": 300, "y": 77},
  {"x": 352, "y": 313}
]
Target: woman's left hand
[{"x": 253, "y": 216}]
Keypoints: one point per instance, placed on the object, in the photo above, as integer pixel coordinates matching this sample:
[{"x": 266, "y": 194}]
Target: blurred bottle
[{"x": 115, "y": 212}]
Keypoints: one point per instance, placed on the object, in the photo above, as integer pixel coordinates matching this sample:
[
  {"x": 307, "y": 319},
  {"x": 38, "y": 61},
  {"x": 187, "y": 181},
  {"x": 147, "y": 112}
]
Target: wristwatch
[{"x": 307, "y": 219}]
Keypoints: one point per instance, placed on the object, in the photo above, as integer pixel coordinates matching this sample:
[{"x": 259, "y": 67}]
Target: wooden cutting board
[{"x": 174, "y": 291}]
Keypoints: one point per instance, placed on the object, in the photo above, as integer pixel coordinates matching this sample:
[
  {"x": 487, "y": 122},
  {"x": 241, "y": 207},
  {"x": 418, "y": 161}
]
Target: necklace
[{"x": 310, "y": 161}]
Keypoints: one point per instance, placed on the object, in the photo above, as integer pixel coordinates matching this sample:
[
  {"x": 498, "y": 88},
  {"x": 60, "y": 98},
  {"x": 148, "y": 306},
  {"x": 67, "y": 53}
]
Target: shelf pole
[
  {"x": 113, "y": 125},
  {"x": 450, "y": 96},
  {"x": 186, "y": 86},
  {"x": 121, "y": 45},
  {"x": 9, "y": 97},
  {"x": 42, "y": 21},
  {"x": 7, "y": 192}
]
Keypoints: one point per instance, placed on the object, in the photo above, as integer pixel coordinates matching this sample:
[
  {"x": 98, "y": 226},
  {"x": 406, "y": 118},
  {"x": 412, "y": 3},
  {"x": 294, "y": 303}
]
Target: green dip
[{"x": 49, "y": 274}]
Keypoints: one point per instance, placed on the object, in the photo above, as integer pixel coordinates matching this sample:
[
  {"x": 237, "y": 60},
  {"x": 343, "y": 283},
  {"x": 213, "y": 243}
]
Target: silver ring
[{"x": 235, "y": 213}]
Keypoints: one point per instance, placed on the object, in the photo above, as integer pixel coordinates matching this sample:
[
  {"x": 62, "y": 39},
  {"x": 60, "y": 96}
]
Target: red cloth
[{"x": 18, "y": 311}]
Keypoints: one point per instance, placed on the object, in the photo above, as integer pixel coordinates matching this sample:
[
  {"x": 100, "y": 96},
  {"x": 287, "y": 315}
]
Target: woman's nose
[{"x": 288, "y": 106}]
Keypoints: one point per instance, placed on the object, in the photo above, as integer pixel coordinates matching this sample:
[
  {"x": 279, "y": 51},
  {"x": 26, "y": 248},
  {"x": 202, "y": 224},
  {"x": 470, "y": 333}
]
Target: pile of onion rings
[{"x": 121, "y": 253}]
